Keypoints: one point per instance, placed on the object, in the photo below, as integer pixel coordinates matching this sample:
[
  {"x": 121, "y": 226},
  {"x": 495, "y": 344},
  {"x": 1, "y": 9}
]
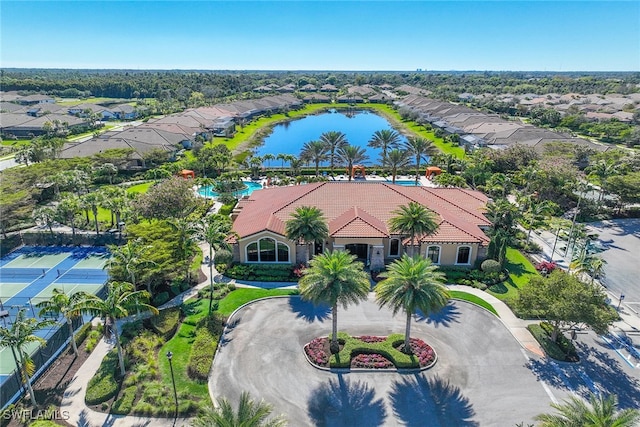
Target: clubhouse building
[{"x": 358, "y": 215}]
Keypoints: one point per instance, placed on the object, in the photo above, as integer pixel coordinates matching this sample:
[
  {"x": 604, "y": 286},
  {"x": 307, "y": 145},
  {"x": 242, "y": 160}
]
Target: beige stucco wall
[
  {"x": 449, "y": 252},
  {"x": 242, "y": 245}
]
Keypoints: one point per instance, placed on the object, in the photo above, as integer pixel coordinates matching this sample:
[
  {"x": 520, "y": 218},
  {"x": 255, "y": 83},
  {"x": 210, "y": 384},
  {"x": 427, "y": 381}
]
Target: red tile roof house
[{"x": 358, "y": 215}]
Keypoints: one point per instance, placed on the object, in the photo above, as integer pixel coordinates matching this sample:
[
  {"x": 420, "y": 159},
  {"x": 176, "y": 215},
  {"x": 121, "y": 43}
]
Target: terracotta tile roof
[{"x": 364, "y": 209}]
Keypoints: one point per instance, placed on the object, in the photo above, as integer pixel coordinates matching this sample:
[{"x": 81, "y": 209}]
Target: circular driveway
[{"x": 482, "y": 376}]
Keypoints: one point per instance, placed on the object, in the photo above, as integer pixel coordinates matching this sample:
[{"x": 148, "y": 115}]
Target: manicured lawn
[
  {"x": 140, "y": 188},
  {"x": 15, "y": 142},
  {"x": 180, "y": 344},
  {"x": 474, "y": 299},
  {"x": 94, "y": 100},
  {"x": 243, "y": 295},
  {"x": 520, "y": 272}
]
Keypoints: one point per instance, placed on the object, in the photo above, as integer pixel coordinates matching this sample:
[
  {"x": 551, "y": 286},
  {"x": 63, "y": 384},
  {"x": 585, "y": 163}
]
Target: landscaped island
[{"x": 370, "y": 352}]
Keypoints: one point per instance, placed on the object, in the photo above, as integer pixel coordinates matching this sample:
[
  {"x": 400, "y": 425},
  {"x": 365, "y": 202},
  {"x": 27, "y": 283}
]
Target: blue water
[
  {"x": 251, "y": 187},
  {"x": 407, "y": 183},
  {"x": 359, "y": 128}
]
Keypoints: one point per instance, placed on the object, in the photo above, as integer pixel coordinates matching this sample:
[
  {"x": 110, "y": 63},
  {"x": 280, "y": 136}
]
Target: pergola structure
[
  {"x": 361, "y": 170},
  {"x": 432, "y": 171},
  {"x": 186, "y": 173}
]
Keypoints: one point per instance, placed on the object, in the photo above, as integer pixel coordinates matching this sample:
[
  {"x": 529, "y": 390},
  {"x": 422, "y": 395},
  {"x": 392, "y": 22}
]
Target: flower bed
[{"x": 370, "y": 352}]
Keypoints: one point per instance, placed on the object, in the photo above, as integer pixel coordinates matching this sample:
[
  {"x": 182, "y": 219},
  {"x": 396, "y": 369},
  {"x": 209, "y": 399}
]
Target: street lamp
[
  {"x": 173, "y": 380},
  {"x": 620, "y": 301}
]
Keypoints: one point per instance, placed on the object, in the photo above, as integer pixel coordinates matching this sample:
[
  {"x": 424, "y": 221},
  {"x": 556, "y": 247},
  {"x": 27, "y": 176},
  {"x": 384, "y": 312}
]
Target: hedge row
[
  {"x": 103, "y": 386},
  {"x": 82, "y": 333},
  {"x": 385, "y": 348},
  {"x": 204, "y": 347},
  {"x": 263, "y": 273},
  {"x": 124, "y": 405},
  {"x": 553, "y": 349},
  {"x": 166, "y": 322}
]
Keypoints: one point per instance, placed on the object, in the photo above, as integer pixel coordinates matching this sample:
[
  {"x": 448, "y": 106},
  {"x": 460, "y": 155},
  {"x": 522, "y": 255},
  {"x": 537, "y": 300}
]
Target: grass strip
[{"x": 474, "y": 299}]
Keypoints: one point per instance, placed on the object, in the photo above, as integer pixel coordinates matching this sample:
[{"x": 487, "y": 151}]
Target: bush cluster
[
  {"x": 103, "y": 386},
  {"x": 124, "y": 404},
  {"x": 204, "y": 347},
  {"x": 82, "y": 333},
  {"x": 262, "y": 273},
  {"x": 562, "y": 349},
  {"x": 166, "y": 322}
]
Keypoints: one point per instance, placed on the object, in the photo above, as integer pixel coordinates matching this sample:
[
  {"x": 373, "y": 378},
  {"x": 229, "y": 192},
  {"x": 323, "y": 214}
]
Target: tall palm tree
[
  {"x": 384, "y": 139},
  {"x": 316, "y": 152},
  {"x": 268, "y": 158},
  {"x": 67, "y": 210},
  {"x": 396, "y": 159},
  {"x": 419, "y": 148},
  {"x": 215, "y": 230},
  {"x": 306, "y": 226},
  {"x": 19, "y": 338},
  {"x": 249, "y": 414},
  {"x": 603, "y": 169},
  {"x": 296, "y": 165},
  {"x": 129, "y": 258},
  {"x": 351, "y": 155},
  {"x": 335, "y": 277},
  {"x": 61, "y": 303},
  {"x": 413, "y": 220},
  {"x": 601, "y": 411},
  {"x": 121, "y": 298},
  {"x": 46, "y": 215},
  {"x": 332, "y": 141},
  {"x": 187, "y": 231},
  {"x": 92, "y": 201},
  {"x": 535, "y": 211},
  {"x": 412, "y": 284}
]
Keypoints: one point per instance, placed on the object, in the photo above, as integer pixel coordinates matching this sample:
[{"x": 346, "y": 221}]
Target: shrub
[
  {"x": 166, "y": 322},
  {"x": 124, "y": 404},
  {"x": 204, "y": 347},
  {"x": 82, "y": 333},
  {"x": 490, "y": 266},
  {"x": 222, "y": 256},
  {"x": 92, "y": 340},
  {"x": 546, "y": 267},
  {"x": 161, "y": 298},
  {"x": 103, "y": 386},
  {"x": 562, "y": 349},
  {"x": 132, "y": 329},
  {"x": 263, "y": 273}
]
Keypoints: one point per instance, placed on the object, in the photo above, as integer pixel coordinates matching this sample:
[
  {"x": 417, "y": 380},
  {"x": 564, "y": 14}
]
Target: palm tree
[
  {"x": 306, "y": 226},
  {"x": 121, "y": 298},
  {"x": 602, "y": 411},
  {"x": 412, "y": 284},
  {"x": 92, "y": 201},
  {"x": 108, "y": 169},
  {"x": 316, "y": 152},
  {"x": 249, "y": 414},
  {"x": 332, "y": 141},
  {"x": 19, "y": 338},
  {"x": 215, "y": 230},
  {"x": 535, "y": 211},
  {"x": 45, "y": 215},
  {"x": 335, "y": 277},
  {"x": 351, "y": 155},
  {"x": 603, "y": 169},
  {"x": 61, "y": 303},
  {"x": 267, "y": 158},
  {"x": 296, "y": 165},
  {"x": 503, "y": 216},
  {"x": 413, "y": 220},
  {"x": 384, "y": 139},
  {"x": 187, "y": 232},
  {"x": 67, "y": 210},
  {"x": 128, "y": 258},
  {"x": 419, "y": 148},
  {"x": 396, "y": 159}
]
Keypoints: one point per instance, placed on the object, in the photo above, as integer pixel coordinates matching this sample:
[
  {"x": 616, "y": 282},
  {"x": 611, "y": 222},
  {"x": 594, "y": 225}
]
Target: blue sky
[{"x": 325, "y": 35}]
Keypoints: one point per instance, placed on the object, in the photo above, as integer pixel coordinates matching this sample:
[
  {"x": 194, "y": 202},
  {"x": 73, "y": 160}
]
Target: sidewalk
[
  {"x": 516, "y": 326},
  {"x": 73, "y": 400}
]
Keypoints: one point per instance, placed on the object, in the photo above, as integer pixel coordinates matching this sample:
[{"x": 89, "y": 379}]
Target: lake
[{"x": 359, "y": 126}]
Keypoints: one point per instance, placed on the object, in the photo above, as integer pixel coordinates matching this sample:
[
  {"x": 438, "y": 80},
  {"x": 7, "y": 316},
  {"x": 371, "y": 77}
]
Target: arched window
[
  {"x": 464, "y": 255},
  {"x": 267, "y": 250},
  {"x": 433, "y": 253},
  {"x": 394, "y": 247}
]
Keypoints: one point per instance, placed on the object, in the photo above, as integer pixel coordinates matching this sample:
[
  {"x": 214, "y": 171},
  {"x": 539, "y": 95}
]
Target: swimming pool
[
  {"x": 407, "y": 183},
  {"x": 251, "y": 187}
]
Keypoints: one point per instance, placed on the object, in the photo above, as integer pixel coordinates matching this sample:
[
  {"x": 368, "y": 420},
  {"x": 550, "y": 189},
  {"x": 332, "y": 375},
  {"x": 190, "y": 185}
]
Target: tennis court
[{"x": 30, "y": 274}]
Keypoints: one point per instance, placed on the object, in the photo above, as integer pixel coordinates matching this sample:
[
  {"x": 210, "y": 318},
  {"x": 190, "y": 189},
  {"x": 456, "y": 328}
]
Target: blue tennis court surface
[{"x": 29, "y": 275}]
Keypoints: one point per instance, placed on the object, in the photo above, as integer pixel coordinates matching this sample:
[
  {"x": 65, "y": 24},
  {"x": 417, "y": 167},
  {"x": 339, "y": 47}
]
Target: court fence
[
  {"x": 12, "y": 388},
  {"x": 45, "y": 238}
]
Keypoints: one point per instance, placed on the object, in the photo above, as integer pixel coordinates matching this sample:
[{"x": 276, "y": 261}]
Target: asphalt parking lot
[
  {"x": 621, "y": 239},
  {"x": 482, "y": 378}
]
